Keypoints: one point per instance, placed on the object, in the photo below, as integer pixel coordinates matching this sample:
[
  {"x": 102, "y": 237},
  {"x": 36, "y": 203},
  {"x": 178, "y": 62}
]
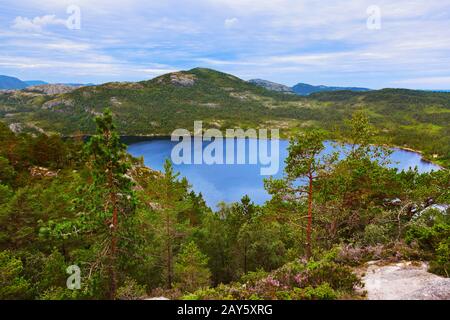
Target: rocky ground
[{"x": 404, "y": 281}]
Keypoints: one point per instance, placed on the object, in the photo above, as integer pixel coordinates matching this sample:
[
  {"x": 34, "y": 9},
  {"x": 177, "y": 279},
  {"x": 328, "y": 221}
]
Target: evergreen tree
[
  {"x": 304, "y": 165},
  {"x": 191, "y": 269},
  {"x": 109, "y": 163}
]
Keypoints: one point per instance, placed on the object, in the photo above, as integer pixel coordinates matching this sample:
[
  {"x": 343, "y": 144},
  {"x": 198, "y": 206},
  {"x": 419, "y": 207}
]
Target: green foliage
[
  {"x": 321, "y": 292},
  {"x": 13, "y": 284},
  {"x": 7, "y": 172},
  {"x": 166, "y": 235},
  {"x": 416, "y": 119},
  {"x": 317, "y": 279},
  {"x": 376, "y": 234},
  {"x": 191, "y": 271},
  {"x": 432, "y": 232},
  {"x": 5, "y": 194},
  {"x": 130, "y": 290}
]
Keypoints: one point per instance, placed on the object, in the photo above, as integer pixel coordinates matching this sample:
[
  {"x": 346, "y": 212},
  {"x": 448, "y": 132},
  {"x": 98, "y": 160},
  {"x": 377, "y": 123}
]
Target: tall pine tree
[{"x": 109, "y": 163}]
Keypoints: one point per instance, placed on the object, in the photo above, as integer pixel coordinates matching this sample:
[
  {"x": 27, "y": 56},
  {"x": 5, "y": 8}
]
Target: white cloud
[
  {"x": 37, "y": 23},
  {"x": 283, "y": 40},
  {"x": 231, "y": 22},
  {"x": 426, "y": 82}
]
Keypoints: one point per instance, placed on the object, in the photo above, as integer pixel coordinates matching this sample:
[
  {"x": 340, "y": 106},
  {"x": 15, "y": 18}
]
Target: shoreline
[{"x": 131, "y": 139}]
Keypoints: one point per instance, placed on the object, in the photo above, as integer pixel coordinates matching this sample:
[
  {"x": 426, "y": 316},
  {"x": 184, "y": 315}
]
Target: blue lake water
[{"x": 230, "y": 182}]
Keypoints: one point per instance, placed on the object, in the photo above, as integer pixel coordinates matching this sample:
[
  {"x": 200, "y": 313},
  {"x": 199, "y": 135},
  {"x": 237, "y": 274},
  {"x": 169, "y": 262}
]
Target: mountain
[
  {"x": 9, "y": 83},
  {"x": 77, "y": 84},
  {"x": 301, "y": 89},
  {"x": 408, "y": 118},
  {"x": 35, "y": 82},
  {"x": 304, "y": 89},
  {"x": 51, "y": 88},
  {"x": 271, "y": 85},
  {"x": 12, "y": 83}
]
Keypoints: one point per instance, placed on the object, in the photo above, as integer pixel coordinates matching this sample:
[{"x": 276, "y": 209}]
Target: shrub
[
  {"x": 59, "y": 293},
  {"x": 431, "y": 232},
  {"x": 375, "y": 234},
  {"x": 441, "y": 264},
  {"x": 319, "y": 279},
  {"x": 13, "y": 284},
  {"x": 191, "y": 271},
  {"x": 130, "y": 290},
  {"x": 321, "y": 292}
]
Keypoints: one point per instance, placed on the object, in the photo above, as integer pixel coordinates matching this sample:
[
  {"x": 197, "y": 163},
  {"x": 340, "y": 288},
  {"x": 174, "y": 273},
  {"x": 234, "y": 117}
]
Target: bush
[
  {"x": 431, "y": 232},
  {"x": 441, "y": 264},
  {"x": 321, "y": 292},
  {"x": 59, "y": 293},
  {"x": 191, "y": 271},
  {"x": 13, "y": 284},
  {"x": 375, "y": 234},
  {"x": 130, "y": 290},
  {"x": 320, "y": 279}
]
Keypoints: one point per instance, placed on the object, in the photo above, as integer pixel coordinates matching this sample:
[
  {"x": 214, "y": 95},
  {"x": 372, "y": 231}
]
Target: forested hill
[{"x": 415, "y": 119}]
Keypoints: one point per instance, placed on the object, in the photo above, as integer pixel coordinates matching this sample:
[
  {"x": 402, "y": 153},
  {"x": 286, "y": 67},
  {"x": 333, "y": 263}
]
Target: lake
[{"x": 230, "y": 182}]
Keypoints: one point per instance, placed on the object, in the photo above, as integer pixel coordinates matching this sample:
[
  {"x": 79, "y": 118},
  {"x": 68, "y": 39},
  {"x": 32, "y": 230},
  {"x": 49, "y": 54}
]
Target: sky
[{"x": 374, "y": 44}]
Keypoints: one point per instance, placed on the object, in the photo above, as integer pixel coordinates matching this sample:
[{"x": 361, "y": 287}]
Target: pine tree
[
  {"x": 174, "y": 226},
  {"x": 304, "y": 165},
  {"x": 109, "y": 164},
  {"x": 191, "y": 271}
]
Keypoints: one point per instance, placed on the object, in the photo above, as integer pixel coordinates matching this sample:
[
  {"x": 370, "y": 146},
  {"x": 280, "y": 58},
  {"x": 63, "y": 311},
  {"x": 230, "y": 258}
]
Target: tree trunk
[
  {"x": 169, "y": 253},
  {"x": 114, "y": 224},
  {"x": 308, "y": 229}
]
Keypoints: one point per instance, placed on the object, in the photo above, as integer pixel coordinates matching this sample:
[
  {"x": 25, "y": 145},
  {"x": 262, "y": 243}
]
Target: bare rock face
[
  {"x": 56, "y": 102},
  {"x": 16, "y": 127},
  {"x": 52, "y": 88},
  {"x": 42, "y": 172},
  {"x": 404, "y": 281},
  {"x": 271, "y": 85},
  {"x": 183, "y": 79}
]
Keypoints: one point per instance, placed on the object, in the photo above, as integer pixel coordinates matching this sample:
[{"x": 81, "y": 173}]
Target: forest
[
  {"x": 135, "y": 233},
  {"x": 404, "y": 118}
]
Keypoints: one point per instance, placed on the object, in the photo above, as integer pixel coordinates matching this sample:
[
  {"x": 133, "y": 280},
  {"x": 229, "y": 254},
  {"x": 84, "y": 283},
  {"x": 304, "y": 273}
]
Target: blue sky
[{"x": 286, "y": 41}]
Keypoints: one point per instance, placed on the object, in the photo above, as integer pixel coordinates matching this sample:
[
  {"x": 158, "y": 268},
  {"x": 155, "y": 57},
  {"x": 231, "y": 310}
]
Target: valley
[{"x": 403, "y": 118}]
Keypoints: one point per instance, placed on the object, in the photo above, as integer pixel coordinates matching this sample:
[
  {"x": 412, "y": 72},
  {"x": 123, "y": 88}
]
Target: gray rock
[{"x": 271, "y": 85}]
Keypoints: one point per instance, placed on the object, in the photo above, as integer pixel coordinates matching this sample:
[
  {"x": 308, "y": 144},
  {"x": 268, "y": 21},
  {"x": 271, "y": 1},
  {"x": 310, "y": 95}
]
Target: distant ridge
[
  {"x": 8, "y": 83},
  {"x": 302, "y": 89},
  {"x": 35, "y": 82},
  {"x": 271, "y": 85},
  {"x": 13, "y": 83}
]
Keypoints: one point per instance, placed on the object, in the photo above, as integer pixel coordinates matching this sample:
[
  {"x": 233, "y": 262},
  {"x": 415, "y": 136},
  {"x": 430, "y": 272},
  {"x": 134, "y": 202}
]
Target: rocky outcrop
[
  {"x": 16, "y": 127},
  {"x": 52, "y": 89},
  {"x": 271, "y": 85},
  {"x": 42, "y": 172},
  {"x": 56, "y": 102},
  {"x": 404, "y": 281},
  {"x": 182, "y": 79}
]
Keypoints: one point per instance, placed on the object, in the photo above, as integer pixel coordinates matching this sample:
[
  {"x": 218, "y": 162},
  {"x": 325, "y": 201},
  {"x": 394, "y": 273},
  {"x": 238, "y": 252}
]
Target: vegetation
[
  {"x": 135, "y": 232},
  {"x": 405, "y": 118}
]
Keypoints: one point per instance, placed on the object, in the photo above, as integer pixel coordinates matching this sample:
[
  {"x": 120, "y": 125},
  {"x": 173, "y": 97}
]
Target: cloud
[
  {"x": 285, "y": 41},
  {"x": 37, "y": 23},
  {"x": 438, "y": 83},
  {"x": 231, "y": 22}
]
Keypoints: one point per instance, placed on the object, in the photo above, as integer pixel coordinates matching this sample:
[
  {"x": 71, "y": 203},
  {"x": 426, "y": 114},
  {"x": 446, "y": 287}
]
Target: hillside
[
  {"x": 269, "y": 85},
  {"x": 415, "y": 119},
  {"x": 8, "y": 83},
  {"x": 304, "y": 89},
  {"x": 35, "y": 82}
]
